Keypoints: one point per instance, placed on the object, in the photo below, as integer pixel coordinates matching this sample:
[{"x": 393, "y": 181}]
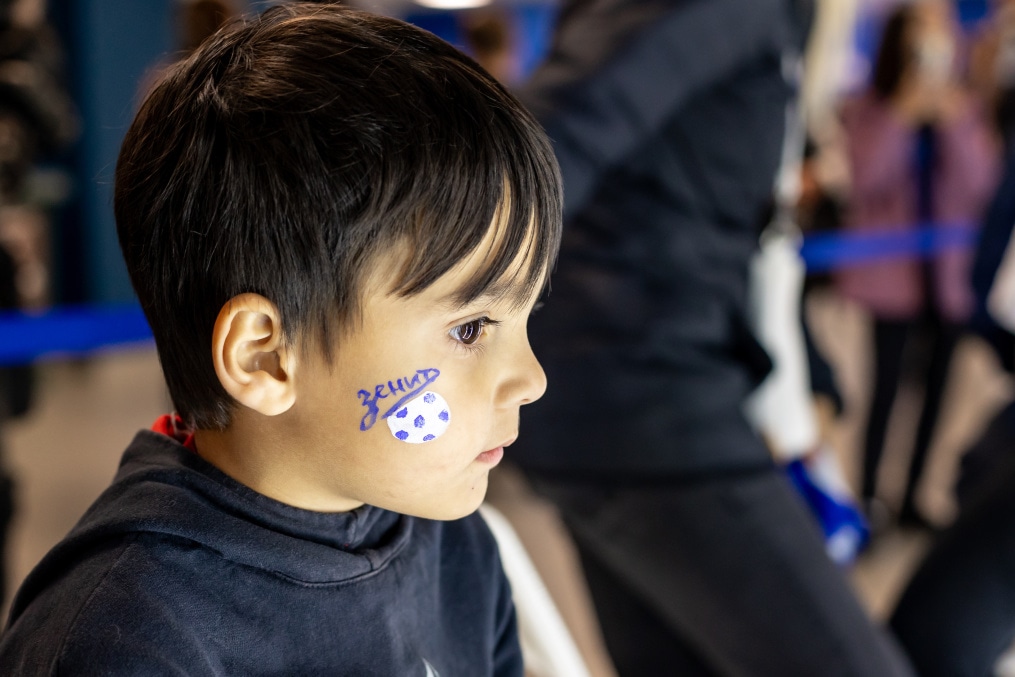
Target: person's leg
[
  {"x": 735, "y": 570},
  {"x": 889, "y": 344},
  {"x": 957, "y": 614},
  {"x": 991, "y": 452},
  {"x": 944, "y": 338}
]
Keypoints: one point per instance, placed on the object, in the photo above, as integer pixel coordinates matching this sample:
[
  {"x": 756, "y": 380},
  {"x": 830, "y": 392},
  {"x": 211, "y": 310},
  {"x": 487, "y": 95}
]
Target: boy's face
[{"x": 418, "y": 402}]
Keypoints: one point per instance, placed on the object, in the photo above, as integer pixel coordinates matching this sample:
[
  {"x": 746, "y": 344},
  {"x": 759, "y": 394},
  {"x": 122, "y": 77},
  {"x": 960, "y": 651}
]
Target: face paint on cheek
[
  {"x": 421, "y": 420},
  {"x": 401, "y": 390}
]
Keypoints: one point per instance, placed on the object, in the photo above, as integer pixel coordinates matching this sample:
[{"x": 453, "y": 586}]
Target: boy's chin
[{"x": 462, "y": 506}]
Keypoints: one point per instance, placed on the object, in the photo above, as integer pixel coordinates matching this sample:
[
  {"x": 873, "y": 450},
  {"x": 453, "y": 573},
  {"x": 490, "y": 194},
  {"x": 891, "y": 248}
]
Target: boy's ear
[{"x": 250, "y": 359}]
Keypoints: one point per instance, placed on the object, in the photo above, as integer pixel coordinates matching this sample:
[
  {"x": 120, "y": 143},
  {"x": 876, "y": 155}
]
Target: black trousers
[
  {"x": 718, "y": 575},
  {"x": 891, "y": 338},
  {"x": 957, "y": 615}
]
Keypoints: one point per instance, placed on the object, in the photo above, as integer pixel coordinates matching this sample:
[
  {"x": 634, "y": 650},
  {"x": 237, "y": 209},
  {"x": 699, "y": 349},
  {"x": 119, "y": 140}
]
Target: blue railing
[
  {"x": 824, "y": 252},
  {"x": 70, "y": 331}
]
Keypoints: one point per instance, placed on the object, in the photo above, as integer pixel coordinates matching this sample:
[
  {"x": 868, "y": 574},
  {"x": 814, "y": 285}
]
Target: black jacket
[
  {"x": 667, "y": 117},
  {"x": 179, "y": 570}
]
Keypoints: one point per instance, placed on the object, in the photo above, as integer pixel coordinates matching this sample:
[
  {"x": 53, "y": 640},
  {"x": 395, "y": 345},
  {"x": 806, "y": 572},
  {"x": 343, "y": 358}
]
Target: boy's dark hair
[{"x": 288, "y": 152}]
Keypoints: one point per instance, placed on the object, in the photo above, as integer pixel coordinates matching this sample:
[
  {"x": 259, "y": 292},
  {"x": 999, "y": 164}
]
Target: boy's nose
[{"x": 528, "y": 380}]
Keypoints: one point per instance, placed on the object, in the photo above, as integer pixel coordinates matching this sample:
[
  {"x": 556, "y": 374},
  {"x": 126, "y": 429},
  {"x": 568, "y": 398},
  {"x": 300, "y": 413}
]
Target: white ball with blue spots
[{"x": 422, "y": 419}]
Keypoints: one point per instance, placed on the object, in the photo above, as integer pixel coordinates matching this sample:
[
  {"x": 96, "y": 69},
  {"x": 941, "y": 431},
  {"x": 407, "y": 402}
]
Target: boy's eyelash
[{"x": 467, "y": 334}]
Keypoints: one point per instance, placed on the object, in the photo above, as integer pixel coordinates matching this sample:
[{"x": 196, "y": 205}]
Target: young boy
[{"x": 337, "y": 226}]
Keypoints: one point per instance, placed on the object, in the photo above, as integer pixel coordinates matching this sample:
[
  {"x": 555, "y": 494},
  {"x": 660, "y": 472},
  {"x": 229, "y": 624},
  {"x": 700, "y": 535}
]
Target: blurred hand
[{"x": 922, "y": 100}]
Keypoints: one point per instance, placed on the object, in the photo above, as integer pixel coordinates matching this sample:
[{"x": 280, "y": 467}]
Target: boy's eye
[{"x": 469, "y": 332}]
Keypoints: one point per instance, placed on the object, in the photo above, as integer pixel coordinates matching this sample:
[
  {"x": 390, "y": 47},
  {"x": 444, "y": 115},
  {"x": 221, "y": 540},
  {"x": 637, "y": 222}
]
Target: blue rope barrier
[
  {"x": 26, "y": 337},
  {"x": 824, "y": 252}
]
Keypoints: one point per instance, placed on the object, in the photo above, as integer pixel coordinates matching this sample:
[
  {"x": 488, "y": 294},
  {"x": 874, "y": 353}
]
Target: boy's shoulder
[{"x": 176, "y": 563}]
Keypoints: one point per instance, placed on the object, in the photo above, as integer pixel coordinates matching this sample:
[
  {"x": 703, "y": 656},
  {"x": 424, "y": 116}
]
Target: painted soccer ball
[{"x": 422, "y": 419}]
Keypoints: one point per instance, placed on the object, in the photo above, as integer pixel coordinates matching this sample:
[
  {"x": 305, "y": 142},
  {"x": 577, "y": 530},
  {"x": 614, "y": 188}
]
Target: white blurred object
[
  {"x": 1005, "y": 666},
  {"x": 547, "y": 646},
  {"x": 781, "y": 408},
  {"x": 1001, "y": 299},
  {"x": 453, "y": 4}
]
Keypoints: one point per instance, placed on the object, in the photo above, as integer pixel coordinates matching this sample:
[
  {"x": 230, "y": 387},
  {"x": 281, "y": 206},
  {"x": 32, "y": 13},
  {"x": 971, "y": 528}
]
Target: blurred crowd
[{"x": 904, "y": 119}]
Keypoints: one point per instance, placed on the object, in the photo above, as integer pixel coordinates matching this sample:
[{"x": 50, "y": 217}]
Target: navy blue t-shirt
[{"x": 179, "y": 570}]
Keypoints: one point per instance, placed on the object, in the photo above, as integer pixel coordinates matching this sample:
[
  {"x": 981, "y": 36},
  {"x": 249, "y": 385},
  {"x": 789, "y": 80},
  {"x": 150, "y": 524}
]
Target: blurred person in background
[
  {"x": 490, "y": 38},
  {"x": 36, "y": 118},
  {"x": 922, "y": 156},
  {"x": 196, "y": 21},
  {"x": 200, "y": 19},
  {"x": 668, "y": 120},
  {"x": 956, "y": 616},
  {"x": 992, "y": 67}
]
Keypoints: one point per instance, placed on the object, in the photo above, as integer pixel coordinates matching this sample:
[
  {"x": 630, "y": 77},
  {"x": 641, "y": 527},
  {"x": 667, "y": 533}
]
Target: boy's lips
[{"x": 493, "y": 456}]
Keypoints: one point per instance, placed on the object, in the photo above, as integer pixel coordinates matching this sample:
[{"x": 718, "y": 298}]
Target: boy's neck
[{"x": 257, "y": 454}]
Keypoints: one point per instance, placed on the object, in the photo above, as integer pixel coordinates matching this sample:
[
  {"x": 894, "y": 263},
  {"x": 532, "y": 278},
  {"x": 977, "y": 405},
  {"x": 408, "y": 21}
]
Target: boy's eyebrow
[{"x": 500, "y": 289}]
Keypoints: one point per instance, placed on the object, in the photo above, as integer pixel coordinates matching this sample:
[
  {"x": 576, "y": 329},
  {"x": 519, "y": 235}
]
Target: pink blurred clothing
[{"x": 884, "y": 200}]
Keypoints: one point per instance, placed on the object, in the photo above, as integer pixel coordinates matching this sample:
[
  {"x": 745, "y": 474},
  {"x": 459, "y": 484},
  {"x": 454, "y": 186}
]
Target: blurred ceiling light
[{"x": 453, "y": 4}]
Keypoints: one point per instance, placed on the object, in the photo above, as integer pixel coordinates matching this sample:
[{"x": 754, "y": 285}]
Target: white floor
[{"x": 65, "y": 452}]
